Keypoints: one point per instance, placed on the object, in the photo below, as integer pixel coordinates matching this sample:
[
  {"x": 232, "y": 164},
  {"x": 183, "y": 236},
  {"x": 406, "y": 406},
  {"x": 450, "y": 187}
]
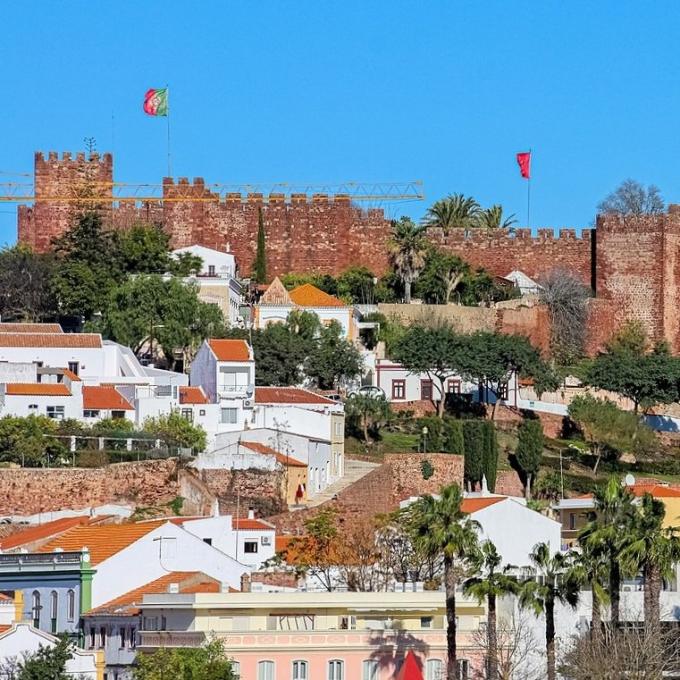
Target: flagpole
[
  {"x": 167, "y": 120},
  {"x": 529, "y": 195}
]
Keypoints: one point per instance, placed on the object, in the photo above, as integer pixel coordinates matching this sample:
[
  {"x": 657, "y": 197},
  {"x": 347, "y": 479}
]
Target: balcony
[
  {"x": 18, "y": 560},
  {"x": 151, "y": 639}
]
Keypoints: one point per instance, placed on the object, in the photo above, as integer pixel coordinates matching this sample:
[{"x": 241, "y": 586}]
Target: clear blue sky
[{"x": 316, "y": 91}]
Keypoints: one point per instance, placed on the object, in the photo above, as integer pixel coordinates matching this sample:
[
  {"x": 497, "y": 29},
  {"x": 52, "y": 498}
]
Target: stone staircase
[{"x": 354, "y": 471}]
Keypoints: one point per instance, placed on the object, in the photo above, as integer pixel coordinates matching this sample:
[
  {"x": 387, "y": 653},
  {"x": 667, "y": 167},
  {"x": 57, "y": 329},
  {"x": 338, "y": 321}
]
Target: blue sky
[{"x": 445, "y": 92}]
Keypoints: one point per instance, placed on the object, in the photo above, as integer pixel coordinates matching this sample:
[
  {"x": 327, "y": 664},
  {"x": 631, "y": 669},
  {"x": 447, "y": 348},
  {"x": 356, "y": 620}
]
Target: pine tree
[{"x": 260, "y": 267}]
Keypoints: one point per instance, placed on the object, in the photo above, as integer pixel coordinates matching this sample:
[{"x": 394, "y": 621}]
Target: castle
[{"x": 632, "y": 263}]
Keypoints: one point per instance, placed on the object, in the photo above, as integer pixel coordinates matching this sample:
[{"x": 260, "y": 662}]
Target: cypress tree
[
  {"x": 490, "y": 462},
  {"x": 454, "y": 441},
  {"x": 529, "y": 452},
  {"x": 473, "y": 437},
  {"x": 260, "y": 268}
]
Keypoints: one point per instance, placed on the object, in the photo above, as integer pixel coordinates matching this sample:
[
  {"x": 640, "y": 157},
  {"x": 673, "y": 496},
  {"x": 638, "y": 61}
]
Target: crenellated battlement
[
  {"x": 67, "y": 158},
  {"x": 510, "y": 237}
]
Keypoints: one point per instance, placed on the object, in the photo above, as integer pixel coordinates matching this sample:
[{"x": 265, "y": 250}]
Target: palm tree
[
  {"x": 591, "y": 568},
  {"x": 556, "y": 585},
  {"x": 439, "y": 528},
  {"x": 492, "y": 585},
  {"x": 492, "y": 218},
  {"x": 654, "y": 551},
  {"x": 408, "y": 248},
  {"x": 608, "y": 533},
  {"x": 456, "y": 211}
]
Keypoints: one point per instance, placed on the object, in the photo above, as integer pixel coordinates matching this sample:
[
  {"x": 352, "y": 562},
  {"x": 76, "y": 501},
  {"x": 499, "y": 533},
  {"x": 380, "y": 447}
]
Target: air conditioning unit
[
  {"x": 627, "y": 589},
  {"x": 247, "y": 403},
  {"x": 266, "y": 540}
]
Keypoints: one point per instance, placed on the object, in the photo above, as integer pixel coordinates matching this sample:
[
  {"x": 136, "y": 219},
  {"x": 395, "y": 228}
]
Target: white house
[
  {"x": 526, "y": 285},
  {"x": 277, "y": 303}
]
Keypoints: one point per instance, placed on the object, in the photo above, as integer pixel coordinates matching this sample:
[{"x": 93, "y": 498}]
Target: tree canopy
[{"x": 632, "y": 198}]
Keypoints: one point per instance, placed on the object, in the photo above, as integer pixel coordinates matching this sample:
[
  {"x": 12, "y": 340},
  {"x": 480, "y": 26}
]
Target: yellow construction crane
[{"x": 114, "y": 192}]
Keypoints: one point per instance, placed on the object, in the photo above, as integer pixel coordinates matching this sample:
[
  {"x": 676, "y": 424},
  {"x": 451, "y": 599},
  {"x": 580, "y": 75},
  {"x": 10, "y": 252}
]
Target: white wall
[
  {"x": 91, "y": 359},
  {"x": 18, "y": 405},
  {"x": 386, "y": 371},
  {"x": 278, "y": 314},
  {"x": 203, "y": 371},
  {"x": 309, "y": 421},
  {"x": 223, "y": 262}
]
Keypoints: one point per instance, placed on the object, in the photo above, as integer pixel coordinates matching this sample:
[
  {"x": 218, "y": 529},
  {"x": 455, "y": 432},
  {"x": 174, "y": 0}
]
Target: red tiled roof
[
  {"x": 288, "y": 395},
  {"x": 246, "y": 524},
  {"x": 46, "y": 531},
  {"x": 13, "y": 327},
  {"x": 105, "y": 398},
  {"x": 288, "y": 461},
  {"x": 5, "y": 627},
  {"x": 187, "y": 582},
  {"x": 192, "y": 395},
  {"x": 230, "y": 350},
  {"x": 37, "y": 389},
  {"x": 281, "y": 542},
  {"x": 471, "y": 505},
  {"x": 656, "y": 490},
  {"x": 308, "y": 295},
  {"x": 66, "y": 340},
  {"x": 70, "y": 375}
]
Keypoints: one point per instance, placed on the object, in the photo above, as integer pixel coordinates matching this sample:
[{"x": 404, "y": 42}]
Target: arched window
[
  {"x": 54, "y": 607},
  {"x": 300, "y": 670},
  {"x": 265, "y": 670},
  {"x": 35, "y": 608},
  {"x": 435, "y": 669},
  {"x": 71, "y": 605},
  {"x": 336, "y": 670},
  {"x": 371, "y": 670}
]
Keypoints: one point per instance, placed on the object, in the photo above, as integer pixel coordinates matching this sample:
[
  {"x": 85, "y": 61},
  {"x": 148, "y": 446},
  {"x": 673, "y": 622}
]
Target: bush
[
  {"x": 454, "y": 441},
  {"x": 426, "y": 469},
  {"x": 92, "y": 459}
]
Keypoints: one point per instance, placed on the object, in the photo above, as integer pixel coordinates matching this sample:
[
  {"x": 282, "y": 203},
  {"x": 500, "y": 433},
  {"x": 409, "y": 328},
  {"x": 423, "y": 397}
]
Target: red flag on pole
[{"x": 524, "y": 162}]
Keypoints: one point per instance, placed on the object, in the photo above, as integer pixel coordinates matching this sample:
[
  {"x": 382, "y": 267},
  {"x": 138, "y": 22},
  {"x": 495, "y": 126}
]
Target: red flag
[{"x": 524, "y": 162}]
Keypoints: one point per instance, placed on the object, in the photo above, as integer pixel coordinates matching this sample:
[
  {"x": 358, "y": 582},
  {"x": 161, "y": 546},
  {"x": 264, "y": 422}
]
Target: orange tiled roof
[
  {"x": 70, "y": 374},
  {"x": 12, "y": 327},
  {"x": 37, "y": 389},
  {"x": 192, "y": 395},
  {"x": 308, "y": 295},
  {"x": 288, "y": 461},
  {"x": 187, "y": 581},
  {"x": 230, "y": 350},
  {"x": 45, "y": 531},
  {"x": 471, "y": 505},
  {"x": 102, "y": 541},
  {"x": 67, "y": 340},
  {"x": 281, "y": 543},
  {"x": 5, "y": 627},
  {"x": 288, "y": 395},
  {"x": 247, "y": 524},
  {"x": 656, "y": 490},
  {"x": 105, "y": 398}
]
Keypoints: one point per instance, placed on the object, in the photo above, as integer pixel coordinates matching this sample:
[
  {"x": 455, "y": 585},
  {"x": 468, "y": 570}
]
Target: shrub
[{"x": 426, "y": 469}]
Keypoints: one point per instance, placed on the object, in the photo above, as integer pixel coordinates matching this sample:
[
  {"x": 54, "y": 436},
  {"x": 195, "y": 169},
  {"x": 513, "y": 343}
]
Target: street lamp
[{"x": 424, "y": 431}]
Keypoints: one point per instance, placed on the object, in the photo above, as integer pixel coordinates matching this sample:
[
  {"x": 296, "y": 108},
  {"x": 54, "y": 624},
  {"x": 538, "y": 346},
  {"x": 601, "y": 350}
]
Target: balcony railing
[{"x": 170, "y": 638}]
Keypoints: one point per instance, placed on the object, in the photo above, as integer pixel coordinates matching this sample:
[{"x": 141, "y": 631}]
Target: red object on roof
[
  {"x": 288, "y": 395},
  {"x": 66, "y": 340},
  {"x": 410, "y": 669},
  {"x": 230, "y": 350},
  {"x": 105, "y": 398},
  {"x": 37, "y": 389},
  {"x": 471, "y": 505},
  {"x": 287, "y": 461},
  {"x": 192, "y": 395}
]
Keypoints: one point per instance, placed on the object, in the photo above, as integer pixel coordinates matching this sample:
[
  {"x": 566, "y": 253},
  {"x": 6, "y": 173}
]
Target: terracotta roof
[
  {"x": 656, "y": 490},
  {"x": 288, "y": 461},
  {"x": 11, "y": 327},
  {"x": 246, "y": 524},
  {"x": 105, "y": 398},
  {"x": 45, "y": 531},
  {"x": 288, "y": 395},
  {"x": 37, "y": 389},
  {"x": 102, "y": 541},
  {"x": 67, "y": 340},
  {"x": 471, "y": 505},
  {"x": 276, "y": 294},
  {"x": 192, "y": 395},
  {"x": 70, "y": 375},
  {"x": 308, "y": 295},
  {"x": 281, "y": 543},
  {"x": 5, "y": 627},
  {"x": 230, "y": 350},
  {"x": 187, "y": 581}
]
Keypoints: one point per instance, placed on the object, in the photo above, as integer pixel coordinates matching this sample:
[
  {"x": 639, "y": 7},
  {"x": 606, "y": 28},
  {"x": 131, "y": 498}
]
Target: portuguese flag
[{"x": 156, "y": 102}]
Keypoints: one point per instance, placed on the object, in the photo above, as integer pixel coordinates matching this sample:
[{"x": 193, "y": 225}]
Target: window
[
  {"x": 201, "y": 412},
  {"x": 74, "y": 367},
  {"x": 336, "y": 670},
  {"x": 265, "y": 670},
  {"x": 71, "y": 605},
  {"x": 453, "y": 386},
  {"x": 463, "y": 669},
  {"x": 426, "y": 622},
  {"x": 502, "y": 393},
  {"x": 426, "y": 389},
  {"x": 33, "y": 408},
  {"x": 211, "y": 270},
  {"x": 102, "y": 637},
  {"x": 370, "y": 670},
  {"x": 291, "y": 622},
  {"x": 133, "y": 637},
  {"x": 90, "y": 413},
  {"x": 229, "y": 416},
  {"x": 236, "y": 667},
  {"x": 348, "y": 622},
  {"x": 398, "y": 389},
  {"x": 54, "y": 604},
  {"x": 117, "y": 415},
  {"x": 35, "y": 608},
  {"x": 123, "y": 631},
  {"x": 338, "y": 428},
  {"x": 572, "y": 520},
  {"x": 250, "y": 546},
  {"x": 188, "y": 414},
  {"x": 93, "y": 635},
  {"x": 434, "y": 669},
  {"x": 56, "y": 412},
  {"x": 300, "y": 670}
]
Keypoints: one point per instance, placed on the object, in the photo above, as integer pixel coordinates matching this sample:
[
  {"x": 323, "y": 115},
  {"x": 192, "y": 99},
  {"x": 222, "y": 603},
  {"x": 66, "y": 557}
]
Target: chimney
[
  {"x": 173, "y": 588},
  {"x": 215, "y": 508},
  {"x": 245, "y": 582},
  {"x": 251, "y": 513}
]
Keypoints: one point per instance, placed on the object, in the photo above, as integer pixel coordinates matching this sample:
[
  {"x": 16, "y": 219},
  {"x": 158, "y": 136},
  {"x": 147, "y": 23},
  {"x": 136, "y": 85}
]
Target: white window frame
[
  {"x": 266, "y": 670},
  {"x": 300, "y": 670},
  {"x": 57, "y": 412},
  {"x": 434, "y": 669},
  {"x": 231, "y": 410},
  {"x": 370, "y": 669},
  {"x": 336, "y": 669}
]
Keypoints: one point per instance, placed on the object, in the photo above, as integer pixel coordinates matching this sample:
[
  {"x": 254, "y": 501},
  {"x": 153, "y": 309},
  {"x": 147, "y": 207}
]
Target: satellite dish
[{"x": 630, "y": 479}]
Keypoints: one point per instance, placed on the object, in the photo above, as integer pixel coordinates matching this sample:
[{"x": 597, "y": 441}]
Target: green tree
[
  {"x": 606, "y": 427},
  {"x": 454, "y": 439},
  {"x": 407, "y": 249},
  {"x": 48, "y": 663},
  {"x": 333, "y": 360},
  {"x": 25, "y": 440},
  {"x": 79, "y": 289},
  {"x": 142, "y": 249},
  {"x": 440, "y": 528},
  {"x": 653, "y": 550},
  {"x": 456, "y": 211},
  {"x": 370, "y": 413},
  {"x": 441, "y": 276},
  {"x": 357, "y": 285},
  {"x": 492, "y": 218},
  {"x": 279, "y": 356},
  {"x": 324, "y": 282},
  {"x": 88, "y": 242},
  {"x": 491, "y": 584},
  {"x": 608, "y": 533},
  {"x": 209, "y": 662},
  {"x": 529, "y": 451},
  {"x": 557, "y": 584},
  {"x": 177, "y": 430},
  {"x": 475, "y": 443},
  {"x": 490, "y": 457},
  {"x": 260, "y": 266}
]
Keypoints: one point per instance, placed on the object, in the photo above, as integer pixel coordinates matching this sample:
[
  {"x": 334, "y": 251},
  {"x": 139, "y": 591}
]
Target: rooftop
[
  {"x": 308, "y": 295},
  {"x": 37, "y": 389},
  {"x": 471, "y": 505},
  {"x": 288, "y": 395},
  {"x": 656, "y": 490},
  {"x": 105, "y": 398},
  {"x": 52, "y": 340},
  {"x": 11, "y": 327},
  {"x": 192, "y": 395},
  {"x": 230, "y": 350},
  {"x": 282, "y": 458},
  {"x": 39, "y": 532}
]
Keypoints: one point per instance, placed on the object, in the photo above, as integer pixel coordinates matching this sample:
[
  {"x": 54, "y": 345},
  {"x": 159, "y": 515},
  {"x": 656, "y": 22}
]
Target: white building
[{"x": 526, "y": 285}]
